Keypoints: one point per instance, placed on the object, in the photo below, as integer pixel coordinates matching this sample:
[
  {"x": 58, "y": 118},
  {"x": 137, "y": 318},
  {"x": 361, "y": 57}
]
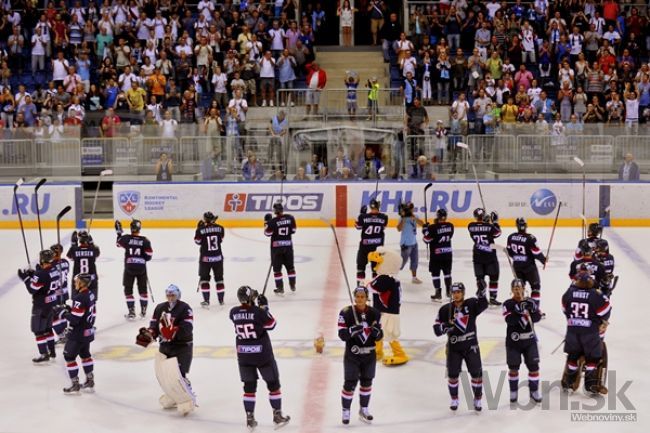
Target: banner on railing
[{"x": 52, "y": 198}]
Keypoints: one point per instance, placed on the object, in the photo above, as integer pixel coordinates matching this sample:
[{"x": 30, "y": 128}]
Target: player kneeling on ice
[
  {"x": 255, "y": 353},
  {"x": 457, "y": 319},
  {"x": 587, "y": 311},
  {"x": 81, "y": 319},
  {"x": 173, "y": 325},
  {"x": 520, "y": 314},
  {"x": 360, "y": 328},
  {"x": 387, "y": 297}
]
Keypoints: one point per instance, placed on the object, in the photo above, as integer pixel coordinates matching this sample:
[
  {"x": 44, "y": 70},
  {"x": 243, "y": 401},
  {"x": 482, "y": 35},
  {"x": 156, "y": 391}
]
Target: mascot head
[{"x": 388, "y": 261}]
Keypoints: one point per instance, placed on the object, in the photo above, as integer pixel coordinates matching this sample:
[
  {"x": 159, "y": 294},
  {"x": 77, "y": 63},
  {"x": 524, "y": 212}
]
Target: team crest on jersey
[
  {"x": 129, "y": 201},
  {"x": 235, "y": 202},
  {"x": 461, "y": 321}
]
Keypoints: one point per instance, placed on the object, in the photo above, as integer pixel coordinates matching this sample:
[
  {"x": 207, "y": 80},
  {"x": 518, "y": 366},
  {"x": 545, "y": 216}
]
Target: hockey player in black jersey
[
  {"x": 593, "y": 265},
  {"x": 59, "y": 324},
  {"x": 84, "y": 253},
  {"x": 137, "y": 252},
  {"x": 607, "y": 260},
  {"x": 43, "y": 284},
  {"x": 520, "y": 315},
  {"x": 209, "y": 236},
  {"x": 255, "y": 353},
  {"x": 587, "y": 311},
  {"x": 438, "y": 236},
  {"x": 594, "y": 232},
  {"x": 523, "y": 249},
  {"x": 360, "y": 328},
  {"x": 457, "y": 320},
  {"x": 81, "y": 317},
  {"x": 483, "y": 231},
  {"x": 280, "y": 229},
  {"x": 372, "y": 225}
]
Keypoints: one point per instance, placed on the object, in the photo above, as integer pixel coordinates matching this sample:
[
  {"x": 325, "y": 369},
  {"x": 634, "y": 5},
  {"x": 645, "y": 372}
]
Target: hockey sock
[
  {"x": 292, "y": 278},
  {"x": 73, "y": 369},
  {"x": 533, "y": 381},
  {"x": 494, "y": 288},
  {"x": 275, "y": 398},
  {"x": 477, "y": 387},
  {"x": 59, "y": 325},
  {"x": 436, "y": 283},
  {"x": 249, "y": 401},
  {"x": 50, "y": 342},
  {"x": 130, "y": 302},
  {"x": 513, "y": 380},
  {"x": 452, "y": 385},
  {"x": 88, "y": 365},
  {"x": 448, "y": 284},
  {"x": 144, "y": 300},
  {"x": 346, "y": 398},
  {"x": 535, "y": 294},
  {"x": 41, "y": 342},
  {"x": 364, "y": 395},
  {"x": 205, "y": 290},
  {"x": 221, "y": 291},
  {"x": 278, "y": 280}
]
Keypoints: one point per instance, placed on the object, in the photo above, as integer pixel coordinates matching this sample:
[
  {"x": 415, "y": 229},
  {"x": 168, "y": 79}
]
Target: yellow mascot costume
[{"x": 387, "y": 297}]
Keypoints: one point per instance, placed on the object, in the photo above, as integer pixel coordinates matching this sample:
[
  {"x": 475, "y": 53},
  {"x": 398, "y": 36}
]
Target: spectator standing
[
  {"x": 252, "y": 169},
  {"x": 164, "y": 168},
  {"x": 316, "y": 80},
  {"x": 286, "y": 75},
  {"x": 629, "y": 170},
  {"x": 278, "y": 130},
  {"x": 267, "y": 79}
]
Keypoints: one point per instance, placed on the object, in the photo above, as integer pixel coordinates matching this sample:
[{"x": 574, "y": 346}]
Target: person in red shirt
[
  {"x": 109, "y": 122},
  {"x": 607, "y": 62},
  {"x": 316, "y": 80},
  {"x": 610, "y": 12}
]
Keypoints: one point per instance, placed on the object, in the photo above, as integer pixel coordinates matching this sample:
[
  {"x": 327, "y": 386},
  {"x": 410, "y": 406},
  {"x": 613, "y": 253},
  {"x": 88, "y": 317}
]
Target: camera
[{"x": 406, "y": 210}]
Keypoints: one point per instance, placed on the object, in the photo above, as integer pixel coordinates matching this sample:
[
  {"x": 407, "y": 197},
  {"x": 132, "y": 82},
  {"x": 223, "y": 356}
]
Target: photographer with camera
[{"x": 408, "y": 226}]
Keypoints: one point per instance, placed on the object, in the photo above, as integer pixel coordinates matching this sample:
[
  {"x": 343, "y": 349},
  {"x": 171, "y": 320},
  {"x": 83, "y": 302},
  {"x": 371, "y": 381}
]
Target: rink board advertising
[{"x": 52, "y": 198}]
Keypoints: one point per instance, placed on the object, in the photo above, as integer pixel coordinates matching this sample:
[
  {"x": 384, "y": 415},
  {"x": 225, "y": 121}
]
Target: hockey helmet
[
  {"x": 83, "y": 237},
  {"x": 84, "y": 279},
  {"x": 522, "y": 225},
  {"x": 57, "y": 249},
  {"x": 441, "y": 214},
  {"x": 46, "y": 257},
  {"x": 173, "y": 290},
  {"x": 479, "y": 213},
  {"x": 458, "y": 287},
  {"x": 602, "y": 246},
  {"x": 246, "y": 295},
  {"x": 136, "y": 226},
  {"x": 584, "y": 247},
  {"x": 595, "y": 229},
  {"x": 278, "y": 208},
  {"x": 375, "y": 204},
  {"x": 209, "y": 217}
]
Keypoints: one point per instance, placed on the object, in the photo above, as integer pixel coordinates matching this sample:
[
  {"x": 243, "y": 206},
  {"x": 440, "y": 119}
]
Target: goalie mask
[{"x": 172, "y": 291}]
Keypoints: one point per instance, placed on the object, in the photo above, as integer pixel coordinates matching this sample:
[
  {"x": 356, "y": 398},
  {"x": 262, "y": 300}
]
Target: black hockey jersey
[
  {"x": 585, "y": 309},
  {"x": 523, "y": 249},
  {"x": 82, "y": 317},
  {"x": 594, "y": 266},
  {"x": 209, "y": 237},
  {"x": 372, "y": 227},
  {"x": 518, "y": 317},
  {"x": 607, "y": 260},
  {"x": 459, "y": 322},
  {"x": 137, "y": 251},
  {"x": 483, "y": 235},
  {"x": 179, "y": 315},
  {"x": 386, "y": 294},
  {"x": 44, "y": 287},
  {"x": 364, "y": 342},
  {"x": 280, "y": 229},
  {"x": 592, "y": 243},
  {"x": 253, "y": 343},
  {"x": 83, "y": 258},
  {"x": 438, "y": 236},
  {"x": 63, "y": 266}
]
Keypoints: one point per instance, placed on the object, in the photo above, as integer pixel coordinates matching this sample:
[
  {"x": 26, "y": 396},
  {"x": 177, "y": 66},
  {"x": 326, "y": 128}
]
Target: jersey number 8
[{"x": 83, "y": 266}]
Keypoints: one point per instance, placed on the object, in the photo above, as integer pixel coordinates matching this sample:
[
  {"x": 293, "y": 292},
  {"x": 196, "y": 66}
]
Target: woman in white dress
[{"x": 346, "y": 14}]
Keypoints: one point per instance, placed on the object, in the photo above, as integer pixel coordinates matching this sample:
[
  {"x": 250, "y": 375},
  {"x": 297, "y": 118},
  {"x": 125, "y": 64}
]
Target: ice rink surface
[{"x": 409, "y": 398}]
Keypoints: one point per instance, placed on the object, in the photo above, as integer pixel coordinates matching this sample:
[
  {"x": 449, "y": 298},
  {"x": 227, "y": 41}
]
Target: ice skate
[
  {"x": 364, "y": 415},
  {"x": 280, "y": 420},
  {"x": 477, "y": 405},
  {"x": 454, "y": 404},
  {"x": 42, "y": 359},
  {"x": 74, "y": 388},
  {"x": 131, "y": 314},
  {"x": 89, "y": 384},
  {"x": 205, "y": 304},
  {"x": 250, "y": 421},
  {"x": 345, "y": 418}
]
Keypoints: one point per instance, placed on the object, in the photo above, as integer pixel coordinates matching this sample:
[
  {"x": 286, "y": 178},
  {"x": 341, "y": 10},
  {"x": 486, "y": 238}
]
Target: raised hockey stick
[
  {"x": 266, "y": 281},
  {"x": 426, "y": 209},
  {"x": 150, "y": 291},
  {"x": 99, "y": 182},
  {"x": 20, "y": 219},
  {"x": 478, "y": 184},
  {"x": 550, "y": 241},
  {"x": 581, "y": 163},
  {"x": 379, "y": 172},
  {"x": 38, "y": 210},
  {"x": 60, "y": 215},
  {"x": 345, "y": 274}
]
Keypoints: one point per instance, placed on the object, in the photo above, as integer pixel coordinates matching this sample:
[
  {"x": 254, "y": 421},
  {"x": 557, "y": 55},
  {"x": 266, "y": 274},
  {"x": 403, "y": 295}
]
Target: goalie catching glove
[{"x": 144, "y": 337}]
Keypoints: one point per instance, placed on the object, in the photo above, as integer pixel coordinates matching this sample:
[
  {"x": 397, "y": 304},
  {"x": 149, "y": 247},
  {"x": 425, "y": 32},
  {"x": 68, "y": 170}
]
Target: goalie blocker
[{"x": 172, "y": 325}]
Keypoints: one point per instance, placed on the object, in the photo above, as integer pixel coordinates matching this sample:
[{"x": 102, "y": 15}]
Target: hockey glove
[
  {"x": 118, "y": 228},
  {"x": 363, "y": 209},
  {"x": 530, "y": 305},
  {"x": 494, "y": 217},
  {"x": 355, "y": 330},
  {"x": 25, "y": 274},
  {"x": 268, "y": 217},
  {"x": 200, "y": 224},
  {"x": 144, "y": 337},
  {"x": 262, "y": 302},
  {"x": 90, "y": 240},
  {"x": 375, "y": 331},
  {"x": 73, "y": 239}
]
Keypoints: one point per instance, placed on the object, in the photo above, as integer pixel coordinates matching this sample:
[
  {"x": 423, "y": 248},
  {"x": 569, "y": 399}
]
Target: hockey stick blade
[
  {"x": 18, "y": 183},
  {"x": 578, "y": 161},
  {"x": 462, "y": 145},
  {"x": 429, "y": 185},
  {"x": 64, "y": 211},
  {"x": 107, "y": 172},
  {"x": 40, "y": 184},
  {"x": 381, "y": 170}
]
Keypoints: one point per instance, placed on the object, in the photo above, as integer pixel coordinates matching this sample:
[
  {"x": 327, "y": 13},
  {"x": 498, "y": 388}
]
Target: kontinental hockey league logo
[
  {"x": 543, "y": 201},
  {"x": 129, "y": 201}
]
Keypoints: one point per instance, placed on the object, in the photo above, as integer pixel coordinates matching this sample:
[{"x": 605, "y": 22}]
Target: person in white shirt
[
  {"x": 267, "y": 78},
  {"x": 527, "y": 43},
  {"x": 126, "y": 79},
  {"x": 613, "y": 36},
  {"x": 219, "y": 81},
  {"x": 240, "y": 105},
  {"x": 168, "y": 125},
  {"x": 492, "y": 8},
  {"x": 408, "y": 64},
  {"x": 38, "y": 51},
  {"x": 460, "y": 108},
  {"x": 277, "y": 39},
  {"x": 59, "y": 68},
  {"x": 254, "y": 48},
  {"x": 71, "y": 80},
  {"x": 631, "y": 108},
  {"x": 159, "y": 23},
  {"x": 599, "y": 23},
  {"x": 205, "y": 8}
]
